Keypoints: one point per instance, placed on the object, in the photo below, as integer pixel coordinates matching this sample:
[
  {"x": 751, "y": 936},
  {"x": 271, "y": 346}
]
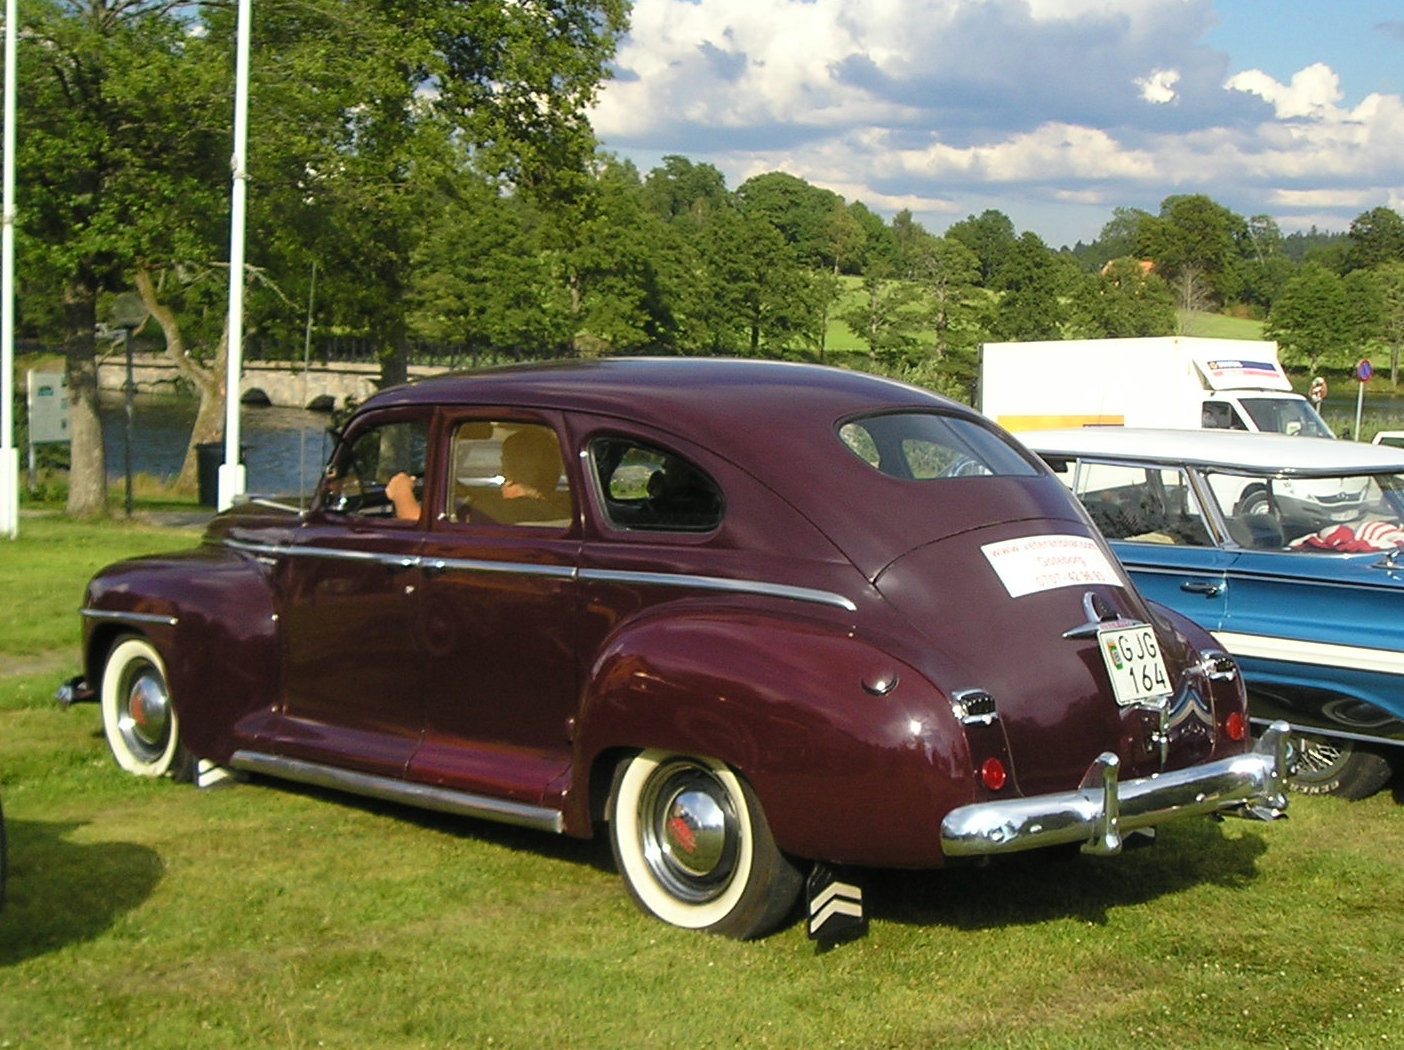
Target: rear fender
[{"x": 846, "y": 768}]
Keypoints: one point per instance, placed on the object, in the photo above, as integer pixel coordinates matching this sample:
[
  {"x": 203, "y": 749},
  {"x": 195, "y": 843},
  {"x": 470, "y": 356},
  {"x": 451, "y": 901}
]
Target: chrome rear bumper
[{"x": 1102, "y": 809}]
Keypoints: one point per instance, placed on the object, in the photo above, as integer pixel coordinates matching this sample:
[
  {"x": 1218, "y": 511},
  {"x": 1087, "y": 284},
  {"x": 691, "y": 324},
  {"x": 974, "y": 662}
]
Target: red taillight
[
  {"x": 992, "y": 774},
  {"x": 1236, "y": 726}
]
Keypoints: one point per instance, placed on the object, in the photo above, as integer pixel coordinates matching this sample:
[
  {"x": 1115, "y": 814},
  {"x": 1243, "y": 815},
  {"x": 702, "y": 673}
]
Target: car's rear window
[{"x": 921, "y": 446}]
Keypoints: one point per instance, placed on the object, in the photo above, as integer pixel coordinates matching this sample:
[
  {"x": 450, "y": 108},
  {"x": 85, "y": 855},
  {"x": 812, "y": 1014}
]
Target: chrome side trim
[
  {"x": 399, "y": 561},
  {"x": 388, "y": 789},
  {"x": 1099, "y": 812},
  {"x": 479, "y": 565},
  {"x": 128, "y": 617},
  {"x": 647, "y": 579},
  {"x": 721, "y": 583}
]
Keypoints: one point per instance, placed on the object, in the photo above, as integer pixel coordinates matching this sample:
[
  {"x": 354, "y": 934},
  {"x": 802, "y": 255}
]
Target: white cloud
[
  {"x": 1314, "y": 91},
  {"x": 950, "y": 106},
  {"x": 1159, "y": 87}
]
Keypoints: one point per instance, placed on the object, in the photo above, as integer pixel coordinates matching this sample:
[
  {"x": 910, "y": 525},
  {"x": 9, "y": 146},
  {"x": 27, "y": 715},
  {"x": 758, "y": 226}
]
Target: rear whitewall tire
[
  {"x": 694, "y": 848},
  {"x": 138, "y": 717}
]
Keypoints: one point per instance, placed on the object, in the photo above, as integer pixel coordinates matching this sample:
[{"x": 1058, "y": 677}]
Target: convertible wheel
[
  {"x": 693, "y": 846},
  {"x": 1332, "y": 766},
  {"x": 138, "y": 716}
]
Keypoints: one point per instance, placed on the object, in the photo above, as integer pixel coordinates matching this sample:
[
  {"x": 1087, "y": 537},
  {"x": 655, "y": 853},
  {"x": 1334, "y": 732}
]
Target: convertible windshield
[
  {"x": 920, "y": 446},
  {"x": 1344, "y": 512}
]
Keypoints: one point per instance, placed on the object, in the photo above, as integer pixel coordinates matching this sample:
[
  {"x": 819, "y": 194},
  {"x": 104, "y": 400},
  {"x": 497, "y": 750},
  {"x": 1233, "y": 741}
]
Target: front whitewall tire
[{"x": 138, "y": 717}]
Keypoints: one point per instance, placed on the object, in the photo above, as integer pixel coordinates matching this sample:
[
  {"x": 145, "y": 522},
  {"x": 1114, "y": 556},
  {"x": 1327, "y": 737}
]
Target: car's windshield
[
  {"x": 1286, "y": 415},
  {"x": 1342, "y": 512},
  {"x": 921, "y": 446}
]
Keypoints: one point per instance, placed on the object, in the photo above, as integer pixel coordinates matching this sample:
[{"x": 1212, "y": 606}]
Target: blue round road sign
[{"x": 1364, "y": 371}]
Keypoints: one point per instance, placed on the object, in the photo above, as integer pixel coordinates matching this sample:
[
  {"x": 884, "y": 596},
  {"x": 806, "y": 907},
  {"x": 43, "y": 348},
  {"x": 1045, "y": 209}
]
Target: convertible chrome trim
[
  {"x": 1103, "y": 809},
  {"x": 127, "y": 616},
  {"x": 650, "y": 579},
  {"x": 1319, "y": 654},
  {"x": 389, "y": 789}
]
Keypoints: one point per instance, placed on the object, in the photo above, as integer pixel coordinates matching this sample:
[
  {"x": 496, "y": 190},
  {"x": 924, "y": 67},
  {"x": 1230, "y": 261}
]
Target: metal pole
[
  {"x": 129, "y": 396},
  {"x": 231, "y": 472},
  {"x": 9, "y": 454}
]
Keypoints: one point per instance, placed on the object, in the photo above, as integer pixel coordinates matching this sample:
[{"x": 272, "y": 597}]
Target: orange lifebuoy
[{"x": 1318, "y": 389}]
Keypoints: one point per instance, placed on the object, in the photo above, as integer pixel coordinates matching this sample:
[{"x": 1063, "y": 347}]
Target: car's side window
[
  {"x": 508, "y": 473},
  {"x": 358, "y": 474},
  {"x": 645, "y": 487},
  {"x": 1141, "y": 504}
]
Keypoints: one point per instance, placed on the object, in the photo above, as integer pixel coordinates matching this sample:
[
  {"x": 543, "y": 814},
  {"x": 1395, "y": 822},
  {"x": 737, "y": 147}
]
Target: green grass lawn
[{"x": 153, "y": 915}]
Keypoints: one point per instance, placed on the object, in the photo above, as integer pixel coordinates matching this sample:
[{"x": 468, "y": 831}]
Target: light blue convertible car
[{"x": 1288, "y": 550}]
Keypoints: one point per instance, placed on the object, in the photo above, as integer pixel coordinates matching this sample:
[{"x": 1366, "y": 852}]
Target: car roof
[
  {"x": 698, "y": 398},
  {"x": 1258, "y": 453}
]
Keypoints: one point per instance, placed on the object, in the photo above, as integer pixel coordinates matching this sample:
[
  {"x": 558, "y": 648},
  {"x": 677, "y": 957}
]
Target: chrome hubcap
[
  {"x": 689, "y": 830},
  {"x": 145, "y": 720}
]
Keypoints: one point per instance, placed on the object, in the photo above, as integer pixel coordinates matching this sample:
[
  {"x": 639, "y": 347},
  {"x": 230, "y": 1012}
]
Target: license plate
[{"x": 1134, "y": 663}]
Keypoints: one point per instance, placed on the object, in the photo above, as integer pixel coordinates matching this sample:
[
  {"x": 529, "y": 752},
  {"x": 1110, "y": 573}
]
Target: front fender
[
  {"x": 845, "y": 771},
  {"x": 209, "y": 613}
]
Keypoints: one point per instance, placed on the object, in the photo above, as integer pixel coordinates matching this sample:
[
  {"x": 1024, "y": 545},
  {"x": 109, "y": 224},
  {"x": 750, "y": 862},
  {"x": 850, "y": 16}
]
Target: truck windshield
[{"x": 1286, "y": 415}]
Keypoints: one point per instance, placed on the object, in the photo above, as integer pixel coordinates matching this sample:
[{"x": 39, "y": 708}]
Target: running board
[{"x": 389, "y": 789}]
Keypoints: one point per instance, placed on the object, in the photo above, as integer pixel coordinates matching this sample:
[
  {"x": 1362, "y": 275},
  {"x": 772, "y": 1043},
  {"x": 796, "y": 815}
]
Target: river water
[{"x": 284, "y": 447}]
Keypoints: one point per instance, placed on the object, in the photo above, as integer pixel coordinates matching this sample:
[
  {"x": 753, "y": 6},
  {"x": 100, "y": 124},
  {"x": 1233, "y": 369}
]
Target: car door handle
[{"x": 1209, "y": 590}]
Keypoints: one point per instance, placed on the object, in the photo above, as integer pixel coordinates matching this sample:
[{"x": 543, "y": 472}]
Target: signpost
[
  {"x": 1363, "y": 372},
  {"x": 48, "y": 415}
]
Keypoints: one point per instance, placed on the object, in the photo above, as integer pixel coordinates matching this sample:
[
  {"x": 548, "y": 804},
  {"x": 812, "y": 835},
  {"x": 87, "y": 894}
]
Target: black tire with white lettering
[
  {"x": 1335, "y": 766},
  {"x": 138, "y": 717},
  {"x": 694, "y": 849}
]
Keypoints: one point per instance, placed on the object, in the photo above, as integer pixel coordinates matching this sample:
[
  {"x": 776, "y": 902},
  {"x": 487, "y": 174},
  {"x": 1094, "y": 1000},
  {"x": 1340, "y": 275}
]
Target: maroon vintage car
[{"x": 751, "y": 616}]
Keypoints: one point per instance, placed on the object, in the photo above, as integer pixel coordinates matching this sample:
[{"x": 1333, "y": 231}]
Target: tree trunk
[
  {"x": 87, "y": 473},
  {"x": 208, "y": 382}
]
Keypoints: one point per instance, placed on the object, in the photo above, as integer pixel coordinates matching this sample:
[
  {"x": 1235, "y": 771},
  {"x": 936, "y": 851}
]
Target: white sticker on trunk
[{"x": 1042, "y": 563}]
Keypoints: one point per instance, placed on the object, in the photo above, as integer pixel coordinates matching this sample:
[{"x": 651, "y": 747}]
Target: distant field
[{"x": 1217, "y": 326}]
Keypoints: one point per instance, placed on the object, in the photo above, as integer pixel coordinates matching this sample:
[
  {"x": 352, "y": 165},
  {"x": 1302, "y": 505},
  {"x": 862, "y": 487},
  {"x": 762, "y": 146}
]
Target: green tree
[
  {"x": 948, "y": 274},
  {"x": 1376, "y": 236},
  {"x": 887, "y": 316},
  {"x": 1125, "y": 300},
  {"x": 804, "y": 215},
  {"x": 990, "y": 238},
  {"x": 1196, "y": 244},
  {"x": 1031, "y": 282},
  {"x": 114, "y": 166},
  {"x": 680, "y": 189},
  {"x": 1312, "y": 318}
]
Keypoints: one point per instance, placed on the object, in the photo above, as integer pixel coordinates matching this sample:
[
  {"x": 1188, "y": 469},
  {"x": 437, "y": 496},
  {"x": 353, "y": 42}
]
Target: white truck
[{"x": 1181, "y": 382}]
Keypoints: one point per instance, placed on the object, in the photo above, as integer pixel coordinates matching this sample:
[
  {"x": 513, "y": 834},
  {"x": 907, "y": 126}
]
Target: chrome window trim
[
  {"x": 649, "y": 579},
  {"x": 132, "y": 617}
]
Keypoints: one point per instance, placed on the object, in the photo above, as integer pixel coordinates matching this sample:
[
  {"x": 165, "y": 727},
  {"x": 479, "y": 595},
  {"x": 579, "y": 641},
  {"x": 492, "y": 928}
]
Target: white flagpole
[
  {"x": 231, "y": 472},
  {"x": 9, "y": 454}
]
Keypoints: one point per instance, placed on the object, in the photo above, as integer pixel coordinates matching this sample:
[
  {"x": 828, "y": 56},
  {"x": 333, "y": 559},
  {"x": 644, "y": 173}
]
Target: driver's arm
[{"x": 400, "y": 491}]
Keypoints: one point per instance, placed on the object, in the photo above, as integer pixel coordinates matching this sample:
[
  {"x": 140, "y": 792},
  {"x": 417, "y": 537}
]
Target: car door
[
  {"x": 348, "y": 608},
  {"x": 498, "y": 609},
  {"x": 1153, "y": 516}
]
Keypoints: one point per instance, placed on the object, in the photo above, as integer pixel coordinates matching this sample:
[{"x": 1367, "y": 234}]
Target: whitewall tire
[
  {"x": 694, "y": 848},
  {"x": 138, "y": 717}
]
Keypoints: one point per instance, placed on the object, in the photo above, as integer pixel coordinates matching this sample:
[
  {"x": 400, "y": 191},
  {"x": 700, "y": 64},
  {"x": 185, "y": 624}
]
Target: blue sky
[{"x": 1052, "y": 111}]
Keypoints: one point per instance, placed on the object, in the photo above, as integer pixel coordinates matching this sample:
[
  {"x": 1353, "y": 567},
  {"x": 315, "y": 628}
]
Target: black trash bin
[{"x": 209, "y": 457}]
